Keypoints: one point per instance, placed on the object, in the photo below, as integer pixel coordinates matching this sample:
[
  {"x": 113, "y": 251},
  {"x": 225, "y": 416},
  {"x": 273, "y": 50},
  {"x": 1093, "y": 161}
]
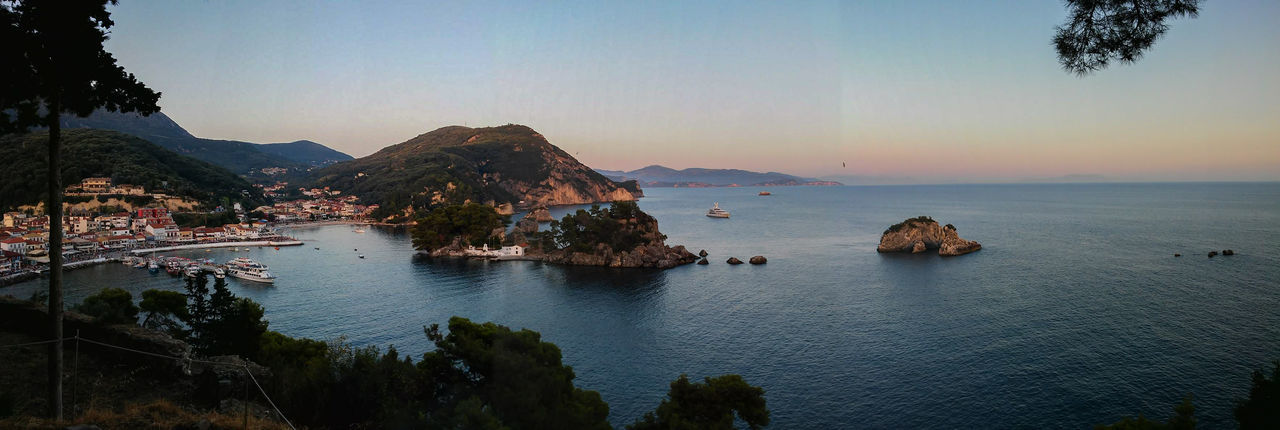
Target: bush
[
  {"x": 110, "y": 306},
  {"x": 908, "y": 222},
  {"x": 1261, "y": 410}
]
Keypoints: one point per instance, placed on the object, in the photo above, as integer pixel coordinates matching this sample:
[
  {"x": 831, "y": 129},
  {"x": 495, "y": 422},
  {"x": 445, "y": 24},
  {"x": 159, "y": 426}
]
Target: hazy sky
[{"x": 927, "y": 90}]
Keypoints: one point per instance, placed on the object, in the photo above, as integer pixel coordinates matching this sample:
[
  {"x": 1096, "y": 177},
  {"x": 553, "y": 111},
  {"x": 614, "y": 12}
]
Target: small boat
[
  {"x": 208, "y": 250},
  {"x": 317, "y": 247},
  {"x": 153, "y": 266},
  {"x": 192, "y": 271},
  {"x": 359, "y": 230},
  {"x": 277, "y": 248},
  {"x": 766, "y": 193},
  {"x": 361, "y": 255},
  {"x": 219, "y": 273},
  {"x": 716, "y": 212}
]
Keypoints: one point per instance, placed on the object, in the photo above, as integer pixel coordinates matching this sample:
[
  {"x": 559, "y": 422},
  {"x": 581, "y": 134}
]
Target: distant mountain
[
  {"x": 126, "y": 159},
  {"x": 661, "y": 176},
  {"x": 236, "y": 156},
  {"x": 506, "y": 164},
  {"x": 306, "y": 152}
]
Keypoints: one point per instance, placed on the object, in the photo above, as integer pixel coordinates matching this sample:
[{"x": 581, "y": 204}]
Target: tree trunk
[{"x": 54, "y": 209}]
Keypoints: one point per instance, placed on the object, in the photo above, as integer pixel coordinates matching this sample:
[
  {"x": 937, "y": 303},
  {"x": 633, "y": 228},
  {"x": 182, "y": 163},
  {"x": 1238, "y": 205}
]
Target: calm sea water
[{"x": 1074, "y": 313}]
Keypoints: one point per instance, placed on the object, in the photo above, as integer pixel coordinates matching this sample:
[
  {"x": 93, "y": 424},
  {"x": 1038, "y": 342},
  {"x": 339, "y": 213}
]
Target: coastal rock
[
  {"x": 703, "y": 261},
  {"x": 733, "y": 260},
  {"x": 702, "y": 253},
  {"x": 759, "y": 259},
  {"x": 1228, "y": 252},
  {"x": 1212, "y": 253},
  {"x": 922, "y": 233},
  {"x": 540, "y": 214},
  {"x": 1177, "y": 255}
]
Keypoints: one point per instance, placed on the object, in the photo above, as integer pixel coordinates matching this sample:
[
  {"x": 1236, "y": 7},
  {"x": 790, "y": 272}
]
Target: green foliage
[
  {"x": 623, "y": 227},
  {"x": 110, "y": 306},
  {"x": 165, "y": 309},
  {"x": 484, "y": 371},
  {"x": 123, "y": 158},
  {"x": 1261, "y": 410},
  {"x": 1183, "y": 419},
  {"x": 708, "y": 405},
  {"x": 221, "y": 323},
  {"x": 1101, "y": 31},
  {"x": 473, "y": 222},
  {"x": 909, "y": 222}
]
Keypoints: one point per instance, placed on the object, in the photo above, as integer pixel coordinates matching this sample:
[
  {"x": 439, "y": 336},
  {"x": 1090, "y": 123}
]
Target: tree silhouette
[
  {"x": 1101, "y": 31},
  {"x": 53, "y": 63}
]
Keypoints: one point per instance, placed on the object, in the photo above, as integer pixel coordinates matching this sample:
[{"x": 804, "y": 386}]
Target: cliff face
[
  {"x": 920, "y": 234},
  {"x": 507, "y": 164}
]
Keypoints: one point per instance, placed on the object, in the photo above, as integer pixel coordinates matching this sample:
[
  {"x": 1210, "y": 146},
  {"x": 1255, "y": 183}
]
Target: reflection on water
[{"x": 1073, "y": 311}]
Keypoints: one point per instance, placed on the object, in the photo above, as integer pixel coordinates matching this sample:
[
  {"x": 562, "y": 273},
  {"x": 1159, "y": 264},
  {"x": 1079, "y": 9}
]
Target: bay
[{"x": 1074, "y": 313}]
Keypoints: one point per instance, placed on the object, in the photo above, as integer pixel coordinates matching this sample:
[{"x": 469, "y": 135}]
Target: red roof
[{"x": 14, "y": 240}]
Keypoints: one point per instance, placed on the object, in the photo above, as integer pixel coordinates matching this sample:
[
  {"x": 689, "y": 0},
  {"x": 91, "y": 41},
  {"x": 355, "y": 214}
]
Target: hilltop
[
  {"x": 124, "y": 158},
  {"x": 236, "y": 156},
  {"x": 661, "y": 176},
  {"x": 506, "y": 164}
]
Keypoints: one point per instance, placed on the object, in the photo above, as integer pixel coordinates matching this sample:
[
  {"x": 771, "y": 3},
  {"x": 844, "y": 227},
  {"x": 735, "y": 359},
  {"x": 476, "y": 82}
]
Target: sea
[{"x": 1075, "y": 312}]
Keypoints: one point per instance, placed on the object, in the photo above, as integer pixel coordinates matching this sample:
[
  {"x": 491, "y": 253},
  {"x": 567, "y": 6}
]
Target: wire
[
  {"x": 18, "y": 345},
  {"x": 264, "y": 394}
]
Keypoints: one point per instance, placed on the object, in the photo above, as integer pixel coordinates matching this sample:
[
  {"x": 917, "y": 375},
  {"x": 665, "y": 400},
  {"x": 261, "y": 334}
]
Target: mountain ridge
[
  {"x": 661, "y": 176},
  {"x": 240, "y": 157}
]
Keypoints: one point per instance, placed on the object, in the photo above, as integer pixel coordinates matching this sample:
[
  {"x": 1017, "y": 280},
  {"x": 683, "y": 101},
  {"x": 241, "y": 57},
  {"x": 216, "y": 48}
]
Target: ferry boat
[
  {"x": 247, "y": 269},
  {"x": 716, "y": 212}
]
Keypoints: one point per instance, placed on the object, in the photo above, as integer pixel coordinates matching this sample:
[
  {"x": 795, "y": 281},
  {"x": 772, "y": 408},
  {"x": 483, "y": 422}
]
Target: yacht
[
  {"x": 192, "y": 271},
  {"x": 247, "y": 269},
  {"x": 716, "y": 212},
  {"x": 219, "y": 273}
]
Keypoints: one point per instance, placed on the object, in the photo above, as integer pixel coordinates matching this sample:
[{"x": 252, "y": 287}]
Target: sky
[{"x": 861, "y": 91}]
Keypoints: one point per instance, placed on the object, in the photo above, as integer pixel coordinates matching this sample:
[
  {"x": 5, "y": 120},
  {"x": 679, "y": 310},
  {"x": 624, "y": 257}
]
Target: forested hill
[
  {"x": 506, "y": 164},
  {"x": 126, "y": 159},
  {"x": 236, "y": 156}
]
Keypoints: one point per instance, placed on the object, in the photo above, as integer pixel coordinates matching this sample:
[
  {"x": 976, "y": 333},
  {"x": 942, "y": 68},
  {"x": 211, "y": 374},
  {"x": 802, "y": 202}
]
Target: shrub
[
  {"x": 908, "y": 222},
  {"x": 110, "y": 306}
]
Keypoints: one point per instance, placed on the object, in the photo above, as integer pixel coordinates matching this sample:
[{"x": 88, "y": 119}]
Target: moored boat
[
  {"x": 716, "y": 212},
  {"x": 250, "y": 270}
]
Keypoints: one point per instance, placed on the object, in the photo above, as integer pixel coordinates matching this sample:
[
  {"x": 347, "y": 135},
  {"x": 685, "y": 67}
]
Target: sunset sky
[{"x": 901, "y": 91}]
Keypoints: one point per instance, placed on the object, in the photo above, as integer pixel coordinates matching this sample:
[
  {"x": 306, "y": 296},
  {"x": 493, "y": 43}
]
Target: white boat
[
  {"x": 359, "y": 230},
  {"x": 247, "y": 269},
  {"x": 192, "y": 271},
  {"x": 219, "y": 273},
  {"x": 716, "y": 212}
]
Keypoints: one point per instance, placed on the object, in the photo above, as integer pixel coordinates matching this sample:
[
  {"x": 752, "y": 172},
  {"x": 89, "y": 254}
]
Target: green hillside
[
  {"x": 126, "y": 159},
  {"x": 505, "y": 164}
]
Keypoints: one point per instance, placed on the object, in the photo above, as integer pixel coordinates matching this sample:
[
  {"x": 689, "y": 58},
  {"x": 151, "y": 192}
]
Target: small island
[
  {"x": 618, "y": 236},
  {"x": 922, "y": 233}
]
